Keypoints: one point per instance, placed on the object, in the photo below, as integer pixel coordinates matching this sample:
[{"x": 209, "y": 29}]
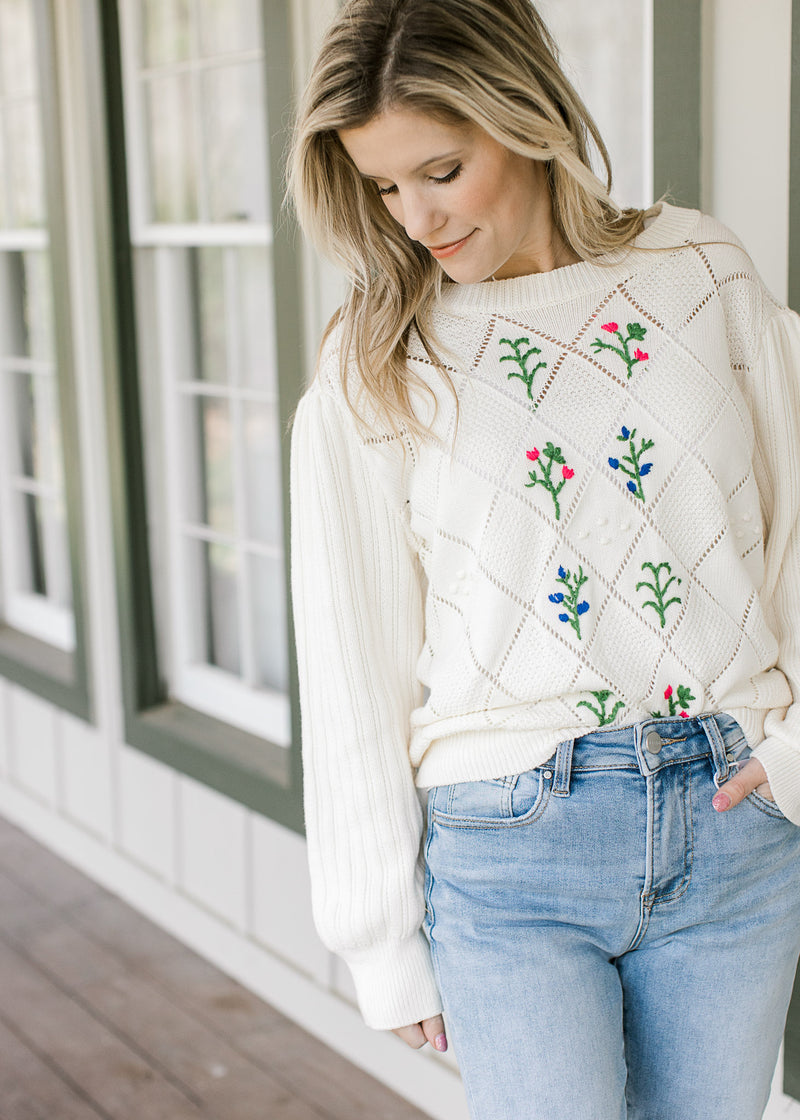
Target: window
[
  {"x": 198, "y": 174},
  {"x": 203, "y": 359},
  {"x": 35, "y": 576}
]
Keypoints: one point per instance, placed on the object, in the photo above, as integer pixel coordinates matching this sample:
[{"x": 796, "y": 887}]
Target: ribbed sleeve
[
  {"x": 358, "y": 610},
  {"x": 776, "y": 385}
]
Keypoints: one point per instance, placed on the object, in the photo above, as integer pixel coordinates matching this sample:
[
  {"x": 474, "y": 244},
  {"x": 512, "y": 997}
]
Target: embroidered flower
[
  {"x": 636, "y": 333},
  {"x": 631, "y": 464},
  {"x": 679, "y": 704},
  {"x": 574, "y": 607},
  {"x": 544, "y": 475}
]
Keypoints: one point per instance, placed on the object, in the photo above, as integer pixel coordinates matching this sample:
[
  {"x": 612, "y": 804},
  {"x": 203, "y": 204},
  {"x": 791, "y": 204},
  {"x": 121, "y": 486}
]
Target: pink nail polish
[
  {"x": 440, "y": 1042},
  {"x": 721, "y": 802}
]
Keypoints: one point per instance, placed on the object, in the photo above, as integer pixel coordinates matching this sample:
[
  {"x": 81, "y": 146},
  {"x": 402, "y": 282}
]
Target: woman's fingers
[
  {"x": 434, "y": 1032},
  {"x": 752, "y": 776},
  {"x": 429, "y": 1030},
  {"x": 413, "y": 1035}
]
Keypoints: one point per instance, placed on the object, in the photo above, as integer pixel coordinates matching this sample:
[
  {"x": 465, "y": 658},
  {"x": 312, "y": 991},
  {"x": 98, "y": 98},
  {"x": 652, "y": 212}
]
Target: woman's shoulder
[{"x": 721, "y": 250}]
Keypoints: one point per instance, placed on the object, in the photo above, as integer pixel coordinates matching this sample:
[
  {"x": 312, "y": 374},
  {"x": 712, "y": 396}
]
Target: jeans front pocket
[
  {"x": 766, "y": 806},
  {"x": 492, "y": 803}
]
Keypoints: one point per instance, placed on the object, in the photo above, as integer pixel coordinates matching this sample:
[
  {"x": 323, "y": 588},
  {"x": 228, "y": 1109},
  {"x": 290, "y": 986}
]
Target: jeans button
[{"x": 653, "y": 742}]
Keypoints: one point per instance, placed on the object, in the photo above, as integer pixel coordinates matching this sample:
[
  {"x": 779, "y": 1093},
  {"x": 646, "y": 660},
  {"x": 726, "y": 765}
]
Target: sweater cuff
[
  {"x": 395, "y": 984},
  {"x": 782, "y": 764}
]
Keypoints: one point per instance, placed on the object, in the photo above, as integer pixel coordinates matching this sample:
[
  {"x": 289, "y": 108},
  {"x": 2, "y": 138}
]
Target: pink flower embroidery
[
  {"x": 611, "y": 327},
  {"x": 684, "y": 715},
  {"x": 567, "y": 472},
  {"x": 640, "y": 355},
  {"x": 533, "y": 455},
  {"x": 667, "y": 692}
]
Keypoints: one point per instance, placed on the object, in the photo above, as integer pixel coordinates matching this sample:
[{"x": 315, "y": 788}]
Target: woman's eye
[
  {"x": 450, "y": 176},
  {"x": 387, "y": 190}
]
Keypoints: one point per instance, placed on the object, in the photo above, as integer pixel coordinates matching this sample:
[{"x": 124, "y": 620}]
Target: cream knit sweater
[{"x": 613, "y": 533}]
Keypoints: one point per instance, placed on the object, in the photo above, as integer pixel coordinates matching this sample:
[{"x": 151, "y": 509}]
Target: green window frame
[
  {"x": 58, "y": 675},
  {"x": 677, "y": 100}
]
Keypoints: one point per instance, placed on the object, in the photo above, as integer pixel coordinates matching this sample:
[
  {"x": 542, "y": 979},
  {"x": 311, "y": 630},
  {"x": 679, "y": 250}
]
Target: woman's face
[{"x": 481, "y": 209}]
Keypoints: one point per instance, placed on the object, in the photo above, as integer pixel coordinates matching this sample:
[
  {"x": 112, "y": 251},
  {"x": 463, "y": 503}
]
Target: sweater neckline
[{"x": 670, "y": 228}]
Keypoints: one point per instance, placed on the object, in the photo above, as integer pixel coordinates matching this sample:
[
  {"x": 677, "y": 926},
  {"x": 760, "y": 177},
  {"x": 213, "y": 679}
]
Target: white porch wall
[
  {"x": 228, "y": 882},
  {"x": 746, "y": 90}
]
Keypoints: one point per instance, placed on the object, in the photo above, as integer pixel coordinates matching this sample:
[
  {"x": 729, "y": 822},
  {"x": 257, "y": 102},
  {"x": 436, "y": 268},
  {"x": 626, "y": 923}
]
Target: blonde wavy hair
[{"x": 489, "y": 62}]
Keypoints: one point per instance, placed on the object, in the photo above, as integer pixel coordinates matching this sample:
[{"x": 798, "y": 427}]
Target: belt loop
[
  {"x": 563, "y": 769},
  {"x": 714, "y": 736}
]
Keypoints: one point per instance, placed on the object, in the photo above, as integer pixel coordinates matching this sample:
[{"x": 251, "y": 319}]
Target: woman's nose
[{"x": 420, "y": 218}]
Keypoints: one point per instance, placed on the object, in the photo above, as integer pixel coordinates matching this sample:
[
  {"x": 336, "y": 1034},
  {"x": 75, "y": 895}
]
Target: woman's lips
[{"x": 440, "y": 251}]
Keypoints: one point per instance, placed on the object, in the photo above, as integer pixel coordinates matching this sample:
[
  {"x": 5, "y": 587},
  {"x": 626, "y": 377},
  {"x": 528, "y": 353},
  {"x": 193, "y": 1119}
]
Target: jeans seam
[{"x": 684, "y": 886}]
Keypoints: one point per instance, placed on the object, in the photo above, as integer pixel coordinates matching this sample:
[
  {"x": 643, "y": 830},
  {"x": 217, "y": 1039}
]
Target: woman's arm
[
  {"x": 359, "y": 627},
  {"x": 775, "y": 381}
]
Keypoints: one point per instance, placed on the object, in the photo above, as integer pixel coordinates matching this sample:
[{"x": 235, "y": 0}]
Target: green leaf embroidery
[
  {"x": 602, "y": 696},
  {"x": 520, "y": 358},
  {"x": 660, "y": 603}
]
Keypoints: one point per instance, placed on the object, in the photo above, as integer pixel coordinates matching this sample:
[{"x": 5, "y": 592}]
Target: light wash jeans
[{"x": 606, "y": 944}]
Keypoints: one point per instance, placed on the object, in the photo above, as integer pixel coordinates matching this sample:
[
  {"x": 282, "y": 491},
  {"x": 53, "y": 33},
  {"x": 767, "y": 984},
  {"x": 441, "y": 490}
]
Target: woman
[{"x": 546, "y": 569}]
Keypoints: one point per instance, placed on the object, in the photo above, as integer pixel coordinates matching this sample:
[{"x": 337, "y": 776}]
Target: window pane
[
  {"x": 221, "y": 607},
  {"x": 257, "y": 324},
  {"x": 26, "y": 311},
  {"x": 5, "y": 211},
  {"x": 234, "y": 142},
  {"x": 38, "y": 290},
  {"x": 215, "y": 463},
  {"x": 207, "y": 278},
  {"x": 18, "y": 65},
  {"x": 58, "y": 552},
  {"x": 28, "y": 435},
  {"x": 166, "y": 31},
  {"x": 25, "y": 163},
  {"x": 173, "y": 170},
  {"x": 228, "y": 25},
  {"x": 31, "y": 546},
  {"x": 263, "y": 457},
  {"x": 269, "y": 622}
]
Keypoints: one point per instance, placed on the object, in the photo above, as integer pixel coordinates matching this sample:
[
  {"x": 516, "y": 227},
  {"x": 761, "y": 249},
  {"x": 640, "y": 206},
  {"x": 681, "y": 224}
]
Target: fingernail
[
  {"x": 721, "y": 802},
  {"x": 440, "y": 1042}
]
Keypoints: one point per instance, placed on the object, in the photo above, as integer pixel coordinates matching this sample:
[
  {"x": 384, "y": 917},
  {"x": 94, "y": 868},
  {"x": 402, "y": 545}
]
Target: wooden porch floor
[{"x": 104, "y": 1015}]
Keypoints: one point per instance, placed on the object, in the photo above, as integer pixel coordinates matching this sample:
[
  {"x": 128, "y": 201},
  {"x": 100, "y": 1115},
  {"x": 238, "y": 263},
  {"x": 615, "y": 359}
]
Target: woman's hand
[
  {"x": 752, "y": 776},
  {"x": 429, "y": 1030}
]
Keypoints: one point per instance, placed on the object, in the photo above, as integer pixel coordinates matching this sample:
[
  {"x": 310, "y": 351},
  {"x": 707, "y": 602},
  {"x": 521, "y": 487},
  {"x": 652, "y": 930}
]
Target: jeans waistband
[{"x": 651, "y": 745}]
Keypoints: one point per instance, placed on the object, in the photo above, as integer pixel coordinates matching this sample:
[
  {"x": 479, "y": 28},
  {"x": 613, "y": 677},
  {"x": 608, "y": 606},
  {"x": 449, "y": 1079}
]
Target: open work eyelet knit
[{"x": 613, "y": 533}]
